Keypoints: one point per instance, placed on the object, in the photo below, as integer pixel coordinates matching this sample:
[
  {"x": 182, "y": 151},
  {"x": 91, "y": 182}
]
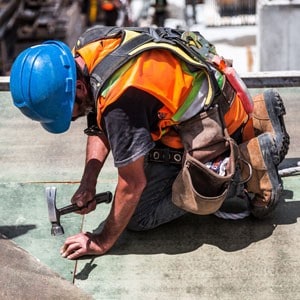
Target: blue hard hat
[{"x": 43, "y": 84}]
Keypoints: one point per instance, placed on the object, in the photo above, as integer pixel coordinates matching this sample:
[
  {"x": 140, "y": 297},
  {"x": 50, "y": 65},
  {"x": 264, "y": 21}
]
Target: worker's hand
[
  {"x": 81, "y": 244},
  {"x": 84, "y": 197}
]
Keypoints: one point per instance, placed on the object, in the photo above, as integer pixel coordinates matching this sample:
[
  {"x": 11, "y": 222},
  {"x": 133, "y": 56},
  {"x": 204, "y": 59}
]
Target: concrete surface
[
  {"x": 24, "y": 277},
  {"x": 191, "y": 258}
]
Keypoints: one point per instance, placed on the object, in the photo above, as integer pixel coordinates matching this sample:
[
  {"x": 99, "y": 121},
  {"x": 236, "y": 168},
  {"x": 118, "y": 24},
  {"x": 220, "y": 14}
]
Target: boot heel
[{"x": 268, "y": 115}]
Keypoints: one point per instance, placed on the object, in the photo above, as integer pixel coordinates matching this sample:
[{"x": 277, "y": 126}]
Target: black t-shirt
[{"x": 128, "y": 123}]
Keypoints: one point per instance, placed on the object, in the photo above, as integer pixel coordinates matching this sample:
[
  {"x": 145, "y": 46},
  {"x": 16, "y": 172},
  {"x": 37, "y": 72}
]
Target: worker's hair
[{"x": 83, "y": 75}]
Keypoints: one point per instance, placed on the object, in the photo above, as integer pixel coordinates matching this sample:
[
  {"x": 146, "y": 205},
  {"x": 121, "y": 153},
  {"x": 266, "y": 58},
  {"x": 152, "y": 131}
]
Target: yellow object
[{"x": 93, "y": 11}]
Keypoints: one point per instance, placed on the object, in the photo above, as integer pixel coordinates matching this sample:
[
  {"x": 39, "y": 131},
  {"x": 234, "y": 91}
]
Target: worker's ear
[{"x": 81, "y": 89}]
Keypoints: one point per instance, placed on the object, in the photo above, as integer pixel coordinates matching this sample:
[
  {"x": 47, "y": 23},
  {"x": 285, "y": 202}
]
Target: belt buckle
[{"x": 165, "y": 155}]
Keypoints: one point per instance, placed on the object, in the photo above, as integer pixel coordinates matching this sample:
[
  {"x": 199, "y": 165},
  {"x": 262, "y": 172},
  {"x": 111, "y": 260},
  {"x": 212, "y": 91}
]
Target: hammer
[{"x": 54, "y": 213}]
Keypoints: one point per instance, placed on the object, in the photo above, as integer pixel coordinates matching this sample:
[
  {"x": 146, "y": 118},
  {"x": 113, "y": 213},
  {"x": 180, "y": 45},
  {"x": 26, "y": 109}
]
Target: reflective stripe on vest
[
  {"x": 183, "y": 85},
  {"x": 172, "y": 90}
]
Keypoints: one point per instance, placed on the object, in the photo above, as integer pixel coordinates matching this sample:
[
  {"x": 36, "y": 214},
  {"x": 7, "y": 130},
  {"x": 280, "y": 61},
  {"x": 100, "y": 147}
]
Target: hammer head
[{"x": 53, "y": 212}]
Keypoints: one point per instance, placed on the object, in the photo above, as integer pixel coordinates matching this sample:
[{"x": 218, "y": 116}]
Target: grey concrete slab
[{"x": 24, "y": 277}]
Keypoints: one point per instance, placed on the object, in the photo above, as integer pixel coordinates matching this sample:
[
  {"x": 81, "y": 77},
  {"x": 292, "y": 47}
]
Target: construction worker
[{"x": 136, "y": 107}]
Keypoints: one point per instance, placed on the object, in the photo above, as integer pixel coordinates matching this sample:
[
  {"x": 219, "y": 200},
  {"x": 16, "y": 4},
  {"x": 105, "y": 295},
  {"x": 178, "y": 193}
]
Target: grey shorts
[{"x": 155, "y": 206}]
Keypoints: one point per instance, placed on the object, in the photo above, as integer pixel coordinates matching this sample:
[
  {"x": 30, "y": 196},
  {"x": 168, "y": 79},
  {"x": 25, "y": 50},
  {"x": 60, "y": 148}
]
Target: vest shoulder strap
[
  {"x": 97, "y": 33},
  {"x": 112, "y": 62},
  {"x": 190, "y": 47}
]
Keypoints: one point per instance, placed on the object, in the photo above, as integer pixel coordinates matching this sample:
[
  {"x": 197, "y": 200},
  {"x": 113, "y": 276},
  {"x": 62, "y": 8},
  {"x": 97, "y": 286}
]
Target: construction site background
[{"x": 27, "y": 22}]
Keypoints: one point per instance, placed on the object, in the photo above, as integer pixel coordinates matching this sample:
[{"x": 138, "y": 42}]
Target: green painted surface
[
  {"x": 24, "y": 218},
  {"x": 32, "y": 159}
]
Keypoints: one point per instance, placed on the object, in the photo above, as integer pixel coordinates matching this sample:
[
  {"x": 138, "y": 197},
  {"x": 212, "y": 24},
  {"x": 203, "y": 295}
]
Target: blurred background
[{"x": 259, "y": 35}]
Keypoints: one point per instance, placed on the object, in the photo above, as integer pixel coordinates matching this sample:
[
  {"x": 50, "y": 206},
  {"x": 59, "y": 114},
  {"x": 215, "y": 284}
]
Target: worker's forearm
[
  {"x": 131, "y": 183},
  {"x": 97, "y": 150},
  {"x": 121, "y": 212},
  {"x": 97, "y": 147}
]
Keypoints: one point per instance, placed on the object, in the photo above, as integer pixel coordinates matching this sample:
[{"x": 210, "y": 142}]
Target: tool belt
[
  {"x": 165, "y": 155},
  {"x": 198, "y": 189}
]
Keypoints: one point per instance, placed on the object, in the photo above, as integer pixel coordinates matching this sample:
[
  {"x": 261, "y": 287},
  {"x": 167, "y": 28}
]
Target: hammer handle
[{"x": 105, "y": 197}]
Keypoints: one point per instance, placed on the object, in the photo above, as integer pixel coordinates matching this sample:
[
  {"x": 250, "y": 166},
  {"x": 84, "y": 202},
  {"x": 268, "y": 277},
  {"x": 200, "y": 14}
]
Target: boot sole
[
  {"x": 270, "y": 154},
  {"x": 276, "y": 111}
]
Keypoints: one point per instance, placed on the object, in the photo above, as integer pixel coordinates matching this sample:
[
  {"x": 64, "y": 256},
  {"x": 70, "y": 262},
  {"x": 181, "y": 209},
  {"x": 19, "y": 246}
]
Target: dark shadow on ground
[
  {"x": 11, "y": 232},
  {"x": 192, "y": 231},
  {"x": 88, "y": 268}
]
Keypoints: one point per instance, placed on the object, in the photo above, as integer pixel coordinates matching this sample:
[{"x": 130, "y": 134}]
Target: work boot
[
  {"x": 268, "y": 117},
  {"x": 265, "y": 184}
]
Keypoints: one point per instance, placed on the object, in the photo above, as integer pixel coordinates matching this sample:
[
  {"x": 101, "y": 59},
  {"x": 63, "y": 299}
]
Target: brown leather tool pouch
[{"x": 198, "y": 189}]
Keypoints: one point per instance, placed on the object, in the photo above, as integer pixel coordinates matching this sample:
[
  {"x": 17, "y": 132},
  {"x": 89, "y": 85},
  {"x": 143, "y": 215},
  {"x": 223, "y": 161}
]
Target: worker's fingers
[
  {"x": 70, "y": 249},
  {"x": 83, "y": 196},
  {"x": 85, "y": 201},
  {"x": 78, "y": 243},
  {"x": 81, "y": 244},
  {"x": 85, "y": 210},
  {"x": 91, "y": 205},
  {"x": 71, "y": 240},
  {"x": 81, "y": 200},
  {"x": 74, "y": 255}
]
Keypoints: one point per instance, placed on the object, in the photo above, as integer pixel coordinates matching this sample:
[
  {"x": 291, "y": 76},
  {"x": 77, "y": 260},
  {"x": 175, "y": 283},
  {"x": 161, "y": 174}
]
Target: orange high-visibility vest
[{"x": 161, "y": 74}]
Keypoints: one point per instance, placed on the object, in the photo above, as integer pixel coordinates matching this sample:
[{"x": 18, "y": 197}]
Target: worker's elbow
[
  {"x": 133, "y": 186},
  {"x": 142, "y": 185},
  {"x": 137, "y": 186}
]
